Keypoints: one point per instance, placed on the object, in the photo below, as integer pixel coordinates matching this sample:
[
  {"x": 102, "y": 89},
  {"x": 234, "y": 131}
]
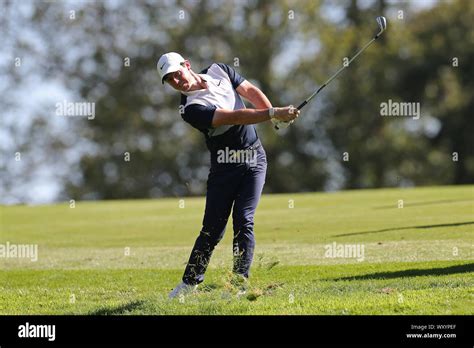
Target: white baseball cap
[{"x": 168, "y": 63}]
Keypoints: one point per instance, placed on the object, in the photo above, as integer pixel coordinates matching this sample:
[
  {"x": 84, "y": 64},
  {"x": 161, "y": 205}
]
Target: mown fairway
[{"x": 123, "y": 257}]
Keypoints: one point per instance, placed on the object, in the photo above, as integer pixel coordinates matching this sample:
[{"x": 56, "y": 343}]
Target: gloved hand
[{"x": 284, "y": 116}]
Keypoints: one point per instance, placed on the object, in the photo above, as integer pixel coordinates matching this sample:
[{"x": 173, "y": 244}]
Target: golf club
[{"x": 382, "y": 23}]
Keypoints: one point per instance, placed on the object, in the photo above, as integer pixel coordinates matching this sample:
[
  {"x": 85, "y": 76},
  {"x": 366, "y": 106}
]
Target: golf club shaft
[{"x": 338, "y": 72}]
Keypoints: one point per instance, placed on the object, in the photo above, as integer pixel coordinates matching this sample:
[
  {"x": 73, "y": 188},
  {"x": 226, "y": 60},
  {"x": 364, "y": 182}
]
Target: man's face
[{"x": 180, "y": 80}]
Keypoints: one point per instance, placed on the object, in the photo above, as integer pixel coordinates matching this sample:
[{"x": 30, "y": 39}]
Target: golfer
[{"x": 211, "y": 102}]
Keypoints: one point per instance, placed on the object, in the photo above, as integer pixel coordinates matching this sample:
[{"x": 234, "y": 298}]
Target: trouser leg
[
  {"x": 221, "y": 189},
  {"x": 245, "y": 204}
]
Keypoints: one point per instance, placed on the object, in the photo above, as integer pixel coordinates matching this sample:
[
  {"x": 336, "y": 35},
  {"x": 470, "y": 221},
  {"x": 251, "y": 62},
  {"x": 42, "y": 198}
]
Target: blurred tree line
[{"x": 137, "y": 146}]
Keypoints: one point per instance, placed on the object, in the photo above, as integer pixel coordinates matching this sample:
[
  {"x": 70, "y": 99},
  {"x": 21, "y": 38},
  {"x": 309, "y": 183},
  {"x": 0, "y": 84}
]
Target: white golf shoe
[
  {"x": 240, "y": 283},
  {"x": 182, "y": 288}
]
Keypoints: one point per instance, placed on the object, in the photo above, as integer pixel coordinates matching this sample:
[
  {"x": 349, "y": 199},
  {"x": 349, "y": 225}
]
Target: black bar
[{"x": 209, "y": 330}]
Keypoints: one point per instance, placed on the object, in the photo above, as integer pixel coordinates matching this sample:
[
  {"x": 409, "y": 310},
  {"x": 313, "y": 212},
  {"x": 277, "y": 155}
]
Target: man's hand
[
  {"x": 286, "y": 114},
  {"x": 284, "y": 117}
]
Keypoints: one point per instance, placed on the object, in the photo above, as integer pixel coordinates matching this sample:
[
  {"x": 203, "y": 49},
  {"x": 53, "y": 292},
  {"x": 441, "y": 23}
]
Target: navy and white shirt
[{"x": 200, "y": 105}]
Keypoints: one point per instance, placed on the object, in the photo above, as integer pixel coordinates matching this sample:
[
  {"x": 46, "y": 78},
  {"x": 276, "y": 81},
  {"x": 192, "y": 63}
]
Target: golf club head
[{"x": 382, "y": 23}]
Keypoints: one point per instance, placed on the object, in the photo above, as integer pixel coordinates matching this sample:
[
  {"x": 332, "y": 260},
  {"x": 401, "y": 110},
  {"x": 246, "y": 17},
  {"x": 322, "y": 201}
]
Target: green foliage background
[{"x": 288, "y": 48}]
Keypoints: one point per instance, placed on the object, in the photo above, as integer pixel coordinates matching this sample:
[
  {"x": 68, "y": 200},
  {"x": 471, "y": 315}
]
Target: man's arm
[
  {"x": 245, "y": 116},
  {"x": 241, "y": 116},
  {"x": 252, "y": 116},
  {"x": 254, "y": 95}
]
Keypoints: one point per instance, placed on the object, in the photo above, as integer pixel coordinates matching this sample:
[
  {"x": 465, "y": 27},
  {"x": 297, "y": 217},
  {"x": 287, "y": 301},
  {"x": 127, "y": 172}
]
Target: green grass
[{"x": 417, "y": 259}]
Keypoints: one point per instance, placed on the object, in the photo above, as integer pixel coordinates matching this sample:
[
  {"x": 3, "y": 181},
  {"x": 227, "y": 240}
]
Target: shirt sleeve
[
  {"x": 234, "y": 77},
  {"x": 199, "y": 116}
]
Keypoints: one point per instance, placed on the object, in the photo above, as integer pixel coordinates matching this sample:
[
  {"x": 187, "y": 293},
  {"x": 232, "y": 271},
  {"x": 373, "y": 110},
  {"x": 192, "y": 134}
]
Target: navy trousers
[{"x": 235, "y": 188}]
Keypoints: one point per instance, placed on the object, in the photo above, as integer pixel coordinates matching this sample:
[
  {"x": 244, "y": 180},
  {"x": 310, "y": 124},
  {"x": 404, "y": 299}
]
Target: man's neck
[{"x": 200, "y": 82}]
